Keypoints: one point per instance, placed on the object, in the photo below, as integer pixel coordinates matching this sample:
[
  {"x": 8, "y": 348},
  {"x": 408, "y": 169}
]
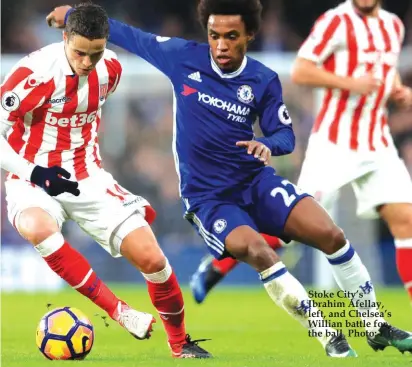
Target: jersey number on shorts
[
  {"x": 288, "y": 199},
  {"x": 120, "y": 192}
]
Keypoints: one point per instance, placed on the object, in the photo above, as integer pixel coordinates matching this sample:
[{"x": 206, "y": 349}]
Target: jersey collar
[
  {"x": 350, "y": 5},
  {"x": 233, "y": 74}
]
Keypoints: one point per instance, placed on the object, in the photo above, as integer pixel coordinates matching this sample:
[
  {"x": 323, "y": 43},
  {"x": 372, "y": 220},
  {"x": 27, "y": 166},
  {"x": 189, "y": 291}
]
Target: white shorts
[
  {"x": 102, "y": 206},
  {"x": 377, "y": 178}
]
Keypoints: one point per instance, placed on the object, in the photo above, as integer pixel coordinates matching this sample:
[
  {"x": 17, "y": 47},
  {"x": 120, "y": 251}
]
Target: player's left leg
[
  {"x": 211, "y": 271},
  {"x": 387, "y": 192},
  {"x": 349, "y": 271},
  {"x": 140, "y": 247},
  {"x": 115, "y": 218},
  {"x": 398, "y": 216}
]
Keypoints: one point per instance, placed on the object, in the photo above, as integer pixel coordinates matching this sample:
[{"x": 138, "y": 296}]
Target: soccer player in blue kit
[{"x": 230, "y": 192}]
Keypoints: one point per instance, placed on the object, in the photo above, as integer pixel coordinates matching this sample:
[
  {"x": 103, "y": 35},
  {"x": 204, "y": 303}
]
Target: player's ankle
[{"x": 115, "y": 312}]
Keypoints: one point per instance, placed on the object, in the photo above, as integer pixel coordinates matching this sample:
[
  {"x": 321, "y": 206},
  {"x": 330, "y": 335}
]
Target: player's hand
[
  {"x": 258, "y": 149},
  {"x": 53, "y": 180},
  {"x": 365, "y": 85},
  {"x": 56, "y": 17},
  {"x": 402, "y": 96}
]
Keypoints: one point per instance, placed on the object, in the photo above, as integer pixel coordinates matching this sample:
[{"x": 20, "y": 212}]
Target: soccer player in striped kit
[
  {"x": 352, "y": 54},
  {"x": 50, "y": 115}
]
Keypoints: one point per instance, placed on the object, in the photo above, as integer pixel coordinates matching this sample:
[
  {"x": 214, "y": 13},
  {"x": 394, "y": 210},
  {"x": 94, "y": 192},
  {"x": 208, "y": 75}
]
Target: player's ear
[
  {"x": 250, "y": 37},
  {"x": 65, "y": 37}
]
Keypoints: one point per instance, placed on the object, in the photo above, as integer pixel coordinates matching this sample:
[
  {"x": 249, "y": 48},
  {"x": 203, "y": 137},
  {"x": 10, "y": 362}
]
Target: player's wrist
[
  {"x": 28, "y": 172},
  {"x": 346, "y": 83}
]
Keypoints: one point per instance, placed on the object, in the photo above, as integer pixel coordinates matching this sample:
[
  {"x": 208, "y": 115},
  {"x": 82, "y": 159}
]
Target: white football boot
[{"x": 139, "y": 324}]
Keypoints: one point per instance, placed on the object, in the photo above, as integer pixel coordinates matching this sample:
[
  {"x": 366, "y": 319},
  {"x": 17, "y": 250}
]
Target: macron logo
[
  {"x": 196, "y": 77},
  {"x": 187, "y": 91}
]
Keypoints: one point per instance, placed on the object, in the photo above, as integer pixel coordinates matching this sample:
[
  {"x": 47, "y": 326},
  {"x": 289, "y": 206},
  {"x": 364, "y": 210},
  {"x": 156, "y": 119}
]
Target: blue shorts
[{"x": 264, "y": 205}]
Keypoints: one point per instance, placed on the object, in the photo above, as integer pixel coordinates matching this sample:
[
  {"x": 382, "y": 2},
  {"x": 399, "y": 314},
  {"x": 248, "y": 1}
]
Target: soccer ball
[{"x": 65, "y": 333}]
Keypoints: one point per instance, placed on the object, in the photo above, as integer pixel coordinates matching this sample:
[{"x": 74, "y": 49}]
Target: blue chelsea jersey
[{"x": 212, "y": 110}]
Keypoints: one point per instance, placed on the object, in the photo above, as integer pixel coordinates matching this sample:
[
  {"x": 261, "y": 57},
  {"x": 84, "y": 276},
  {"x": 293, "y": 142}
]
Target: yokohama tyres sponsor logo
[
  {"x": 223, "y": 105},
  {"x": 72, "y": 120}
]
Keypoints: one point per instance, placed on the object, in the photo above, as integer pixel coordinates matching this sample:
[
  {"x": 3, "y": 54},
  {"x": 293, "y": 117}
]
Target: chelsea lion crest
[
  {"x": 245, "y": 94},
  {"x": 219, "y": 225}
]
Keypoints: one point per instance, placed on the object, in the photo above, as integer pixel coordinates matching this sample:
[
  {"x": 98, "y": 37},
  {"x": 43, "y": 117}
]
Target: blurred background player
[
  {"x": 352, "y": 53},
  {"x": 219, "y": 92},
  {"x": 51, "y": 107}
]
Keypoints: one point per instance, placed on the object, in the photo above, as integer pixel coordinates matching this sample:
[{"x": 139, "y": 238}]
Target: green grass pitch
[{"x": 246, "y": 329}]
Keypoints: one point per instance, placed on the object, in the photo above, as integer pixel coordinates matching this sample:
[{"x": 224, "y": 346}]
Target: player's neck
[
  {"x": 373, "y": 14},
  {"x": 233, "y": 69}
]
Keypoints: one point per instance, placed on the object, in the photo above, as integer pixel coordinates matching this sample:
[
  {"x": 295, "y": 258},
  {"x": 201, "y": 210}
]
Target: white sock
[
  {"x": 161, "y": 276},
  {"x": 286, "y": 291},
  {"x": 50, "y": 244},
  {"x": 353, "y": 278}
]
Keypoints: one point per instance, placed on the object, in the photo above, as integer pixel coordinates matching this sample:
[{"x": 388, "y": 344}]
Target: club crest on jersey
[
  {"x": 245, "y": 94},
  {"x": 219, "y": 225},
  {"x": 10, "y": 101},
  {"x": 284, "y": 116},
  {"x": 103, "y": 91}
]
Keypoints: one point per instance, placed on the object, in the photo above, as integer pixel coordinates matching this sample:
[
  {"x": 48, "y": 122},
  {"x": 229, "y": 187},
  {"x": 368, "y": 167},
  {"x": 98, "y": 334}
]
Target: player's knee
[
  {"x": 401, "y": 225},
  {"x": 260, "y": 255},
  {"x": 333, "y": 238},
  {"x": 153, "y": 264},
  {"x": 36, "y": 225},
  {"x": 142, "y": 250}
]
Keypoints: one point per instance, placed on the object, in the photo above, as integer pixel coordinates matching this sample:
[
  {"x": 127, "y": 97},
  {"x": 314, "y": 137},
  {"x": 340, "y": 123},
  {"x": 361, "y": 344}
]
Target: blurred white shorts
[
  {"x": 100, "y": 209},
  {"x": 377, "y": 178}
]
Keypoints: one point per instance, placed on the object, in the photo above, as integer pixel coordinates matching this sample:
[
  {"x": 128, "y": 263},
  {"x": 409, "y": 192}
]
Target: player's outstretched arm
[{"x": 161, "y": 52}]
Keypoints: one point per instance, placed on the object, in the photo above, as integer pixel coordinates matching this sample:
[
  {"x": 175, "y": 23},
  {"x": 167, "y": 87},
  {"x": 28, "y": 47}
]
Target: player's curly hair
[
  {"x": 249, "y": 10},
  {"x": 88, "y": 20}
]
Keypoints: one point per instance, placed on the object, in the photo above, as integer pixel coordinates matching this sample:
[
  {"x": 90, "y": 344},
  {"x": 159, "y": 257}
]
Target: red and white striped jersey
[
  {"x": 348, "y": 44},
  {"x": 55, "y": 114}
]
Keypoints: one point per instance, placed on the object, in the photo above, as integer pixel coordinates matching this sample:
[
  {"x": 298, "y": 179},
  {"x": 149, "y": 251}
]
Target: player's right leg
[
  {"x": 211, "y": 271},
  {"x": 38, "y": 218},
  {"x": 350, "y": 273},
  {"x": 118, "y": 221},
  {"x": 225, "y": 229}
]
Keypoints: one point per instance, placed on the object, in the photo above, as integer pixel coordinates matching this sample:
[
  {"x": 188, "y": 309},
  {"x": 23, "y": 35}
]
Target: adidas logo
[{"x": 196, "y": 77}]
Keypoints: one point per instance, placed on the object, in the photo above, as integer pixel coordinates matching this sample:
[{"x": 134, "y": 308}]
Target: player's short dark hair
[
  {"x": 88, "y": 20},
  {"x": 249, "y": 10}
]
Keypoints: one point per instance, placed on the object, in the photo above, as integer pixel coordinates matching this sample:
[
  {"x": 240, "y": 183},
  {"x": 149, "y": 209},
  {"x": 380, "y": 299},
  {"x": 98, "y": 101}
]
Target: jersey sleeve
[
  {"x": 114, "y": 69},
  {"x": 275, "y": 121},
  {"x": 161, "y": 52},
  {"x": 21, "y": 92},
  {"x": 324, "y": 39},
  {"x": 399, "y": 29}
]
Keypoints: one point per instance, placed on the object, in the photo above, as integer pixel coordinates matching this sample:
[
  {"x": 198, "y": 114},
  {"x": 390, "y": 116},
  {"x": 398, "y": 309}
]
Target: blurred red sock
[
  {"x": 272, "y": 241},
  {"x": 226, "y": 265},
  {"x": 404, "y": 263}
]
